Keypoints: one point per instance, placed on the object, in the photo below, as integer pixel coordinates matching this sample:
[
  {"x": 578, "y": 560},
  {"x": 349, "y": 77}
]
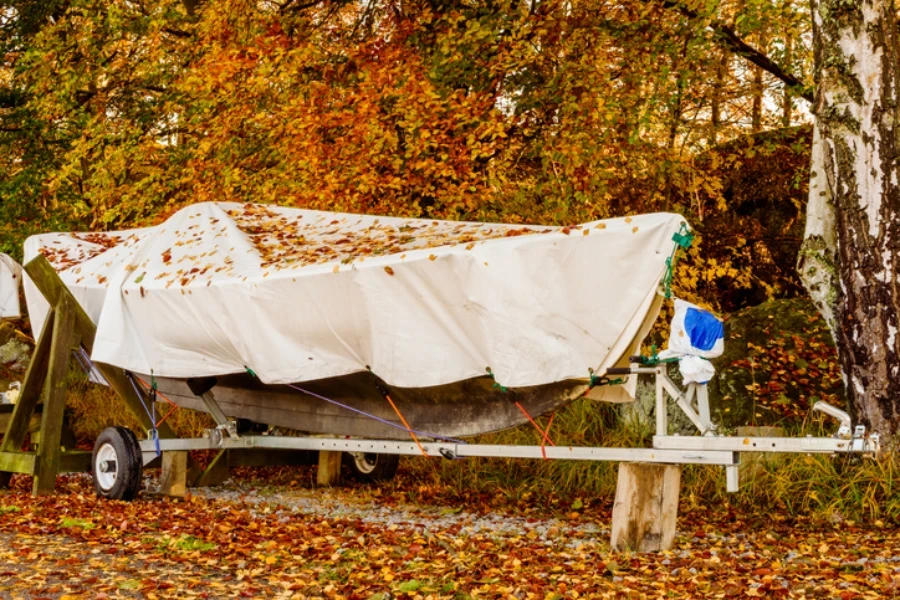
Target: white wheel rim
[
  {"x": 106, "y": 455},
  {"x": 363, "y": 464}
]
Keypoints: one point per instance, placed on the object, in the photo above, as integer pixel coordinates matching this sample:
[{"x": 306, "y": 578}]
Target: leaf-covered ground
[{"x": 282, "y": 539}]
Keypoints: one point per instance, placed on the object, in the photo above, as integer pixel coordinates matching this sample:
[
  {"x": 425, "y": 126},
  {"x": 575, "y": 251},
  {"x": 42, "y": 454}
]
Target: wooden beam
[
  {"x": 329, "y": 468},
  {"x": 646, "y": 507},
  {"x": 47, "y": 281},
  {"x": 54, "y": 397},
  {"x": 173, "y": 481},
  {"x": 78, "y": 461},
  {"x": 17, "y": 462}
]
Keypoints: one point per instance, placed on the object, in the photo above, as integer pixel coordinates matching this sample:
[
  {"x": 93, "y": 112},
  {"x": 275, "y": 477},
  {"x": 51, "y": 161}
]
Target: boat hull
[{"x": 462, "y": 409}]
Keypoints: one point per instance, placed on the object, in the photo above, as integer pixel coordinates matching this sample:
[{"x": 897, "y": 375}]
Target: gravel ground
[{"x": 327, "y": 503}]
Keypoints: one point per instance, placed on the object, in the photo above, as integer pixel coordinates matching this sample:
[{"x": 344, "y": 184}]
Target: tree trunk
[
  {"x": 787, "y": 102},
  {"x": 757, "y": 91},
  {"x": 718, "y": 92},
  {"x": 850, "y": 261}
]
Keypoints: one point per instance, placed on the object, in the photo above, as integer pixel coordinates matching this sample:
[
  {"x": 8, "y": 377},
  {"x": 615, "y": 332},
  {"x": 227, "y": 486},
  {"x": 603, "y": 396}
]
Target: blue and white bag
[{"x": 694, "y": 336}]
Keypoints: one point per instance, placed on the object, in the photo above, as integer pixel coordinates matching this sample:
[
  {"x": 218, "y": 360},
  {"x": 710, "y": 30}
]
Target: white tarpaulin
[
  {"x": 300, "y": 295},
  {"x": 10, "y": 275}
]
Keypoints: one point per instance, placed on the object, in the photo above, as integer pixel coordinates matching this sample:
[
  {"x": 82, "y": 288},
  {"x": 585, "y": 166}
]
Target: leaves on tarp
[{"x": 283, "y": 239}]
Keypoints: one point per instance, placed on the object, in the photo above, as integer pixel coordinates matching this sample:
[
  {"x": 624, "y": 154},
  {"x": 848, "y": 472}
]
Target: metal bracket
[
  {"x": 846, "y": 423},
  {"x": 224, "y": 424}
]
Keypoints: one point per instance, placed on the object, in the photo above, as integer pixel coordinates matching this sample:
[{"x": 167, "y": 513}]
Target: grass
[
  {"x": 69, "y": 522},
  {"x": 186, "y": 543}
]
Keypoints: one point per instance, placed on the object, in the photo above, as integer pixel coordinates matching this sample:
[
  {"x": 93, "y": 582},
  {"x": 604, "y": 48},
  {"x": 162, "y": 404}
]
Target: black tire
[
  {"x": 371, "y": 468},
  {"x": 117, "y": 465}
]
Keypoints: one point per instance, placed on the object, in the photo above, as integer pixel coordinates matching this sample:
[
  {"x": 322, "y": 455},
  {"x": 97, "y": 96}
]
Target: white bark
[
  {"x": 818, "y": 255},
  {"x": 851, "y": 256}
]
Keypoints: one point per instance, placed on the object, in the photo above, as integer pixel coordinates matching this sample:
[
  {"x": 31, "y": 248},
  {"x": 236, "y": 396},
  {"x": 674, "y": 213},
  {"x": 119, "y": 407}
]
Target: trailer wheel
[
  {"x": 117, "y": 464},
  {"x": 370, "y": 468}
]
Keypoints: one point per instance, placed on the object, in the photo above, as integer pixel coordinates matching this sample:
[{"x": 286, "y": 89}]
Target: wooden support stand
[
  {"x": 329, "y": 468},
  {"x": 67, "y": 326},
  {"x": 174, "y": 474},
  {"x": 646, "y": 507}
]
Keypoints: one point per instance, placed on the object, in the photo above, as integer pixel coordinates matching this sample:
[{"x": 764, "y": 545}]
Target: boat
[{"x": 366, "y": 326}]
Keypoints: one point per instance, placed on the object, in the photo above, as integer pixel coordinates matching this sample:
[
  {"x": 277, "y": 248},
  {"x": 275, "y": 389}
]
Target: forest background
[{"x": 115, "y": 114}]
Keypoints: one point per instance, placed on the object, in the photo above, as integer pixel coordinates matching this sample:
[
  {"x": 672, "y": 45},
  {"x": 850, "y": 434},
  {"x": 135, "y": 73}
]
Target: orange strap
[
  {"x": 161, "y": 395},
  {"x": 405, "y": 424},
  {"x": 545, "y": 434}
]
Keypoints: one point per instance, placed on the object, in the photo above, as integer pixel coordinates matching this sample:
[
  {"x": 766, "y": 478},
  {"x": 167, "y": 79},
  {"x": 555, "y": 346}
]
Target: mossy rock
[
  {"x": 15, "y": 353},
  {"x": 779, "y": 360}
]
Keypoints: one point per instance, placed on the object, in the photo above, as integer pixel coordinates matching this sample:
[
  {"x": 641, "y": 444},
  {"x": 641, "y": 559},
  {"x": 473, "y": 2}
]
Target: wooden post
[
  {"x": 54, "y": 398},
  {"x": 329, "y": 468},
  {"x": 646, "y": 507},
  {"x": 173, "y": 481}
]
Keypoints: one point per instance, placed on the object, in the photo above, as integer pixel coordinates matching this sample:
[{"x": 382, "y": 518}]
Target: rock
[
  {"x": 14, "y": 352},
  {"x": 779, "y": 360}
]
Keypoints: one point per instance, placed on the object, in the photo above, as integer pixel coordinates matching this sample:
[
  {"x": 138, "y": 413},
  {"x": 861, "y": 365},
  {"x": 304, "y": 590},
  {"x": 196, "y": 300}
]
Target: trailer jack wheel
[
  {"x": 370, "y": 468},
  {"x": 116, "y": 464}
]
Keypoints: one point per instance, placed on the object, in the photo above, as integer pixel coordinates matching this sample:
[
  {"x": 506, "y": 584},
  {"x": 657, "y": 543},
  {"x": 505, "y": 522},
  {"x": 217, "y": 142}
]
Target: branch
[
  {"x": 289, "y": 6},
  {"x": 732, "y": 41},
  {"x": 176, "y": 32}
]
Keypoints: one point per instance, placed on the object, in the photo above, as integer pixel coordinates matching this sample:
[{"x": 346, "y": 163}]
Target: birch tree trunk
[{"x": 850, "y": 261}]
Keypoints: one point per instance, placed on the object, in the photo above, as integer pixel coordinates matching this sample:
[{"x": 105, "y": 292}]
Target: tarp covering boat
[
  {"x": 307, "y": 296},
  {"x": 10, "y": 275}
]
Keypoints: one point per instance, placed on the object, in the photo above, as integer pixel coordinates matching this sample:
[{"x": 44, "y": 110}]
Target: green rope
[
  {"x": 496, "y": 385},
  {"x": 683, "y": 239},
  {"x": 251, "y": 372},
  {"x": 654, "y": 359},
  {"x": 596, "y": 381}
]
